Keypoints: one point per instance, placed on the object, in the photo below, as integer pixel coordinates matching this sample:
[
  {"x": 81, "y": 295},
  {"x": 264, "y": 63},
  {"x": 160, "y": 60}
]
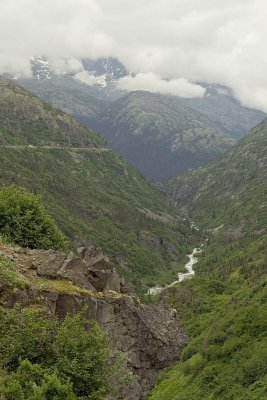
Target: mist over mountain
[
  {"x": 100, "y": 78},
  {"x": 160, "y": 135},
  {"x": 221, "y": 107}
]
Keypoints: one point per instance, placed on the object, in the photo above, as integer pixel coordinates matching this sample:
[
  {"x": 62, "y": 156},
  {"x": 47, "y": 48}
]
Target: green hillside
[
  {"x": 224, "y": 308},
  {"x": 229, "y": 193},
  {"x": 25, "y": 120},
  {"x": 93, "y": 194},
  {"x": 67, "y": 94},
  {"x": 224, "y": 311}
]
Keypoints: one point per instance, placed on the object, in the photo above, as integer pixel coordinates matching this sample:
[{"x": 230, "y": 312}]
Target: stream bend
[{"x": 193, "y": 259}]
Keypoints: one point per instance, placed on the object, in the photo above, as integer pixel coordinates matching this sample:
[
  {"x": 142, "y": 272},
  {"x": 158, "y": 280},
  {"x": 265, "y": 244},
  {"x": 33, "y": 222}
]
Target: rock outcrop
[
  {"x": 148, "y": 335},
  {"x": 90, "y": 269}
]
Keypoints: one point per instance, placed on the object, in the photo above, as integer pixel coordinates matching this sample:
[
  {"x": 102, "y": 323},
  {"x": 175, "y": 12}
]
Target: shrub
[
  {"x": 48, "y": 359},
  {"x": 24, "y": 221},
  {"x": 81, "y": 356},
  {"x": 33, "y": 382}
]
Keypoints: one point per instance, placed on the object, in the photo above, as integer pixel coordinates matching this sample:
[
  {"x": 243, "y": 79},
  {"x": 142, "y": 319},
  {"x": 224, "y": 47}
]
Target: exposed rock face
[
  {"x": 148, "y": 335},
  {"x": 91, "y": 270}
]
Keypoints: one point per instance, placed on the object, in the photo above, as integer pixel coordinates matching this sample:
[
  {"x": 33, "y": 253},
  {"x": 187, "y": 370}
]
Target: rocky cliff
[{"x": 66, "y": 283}]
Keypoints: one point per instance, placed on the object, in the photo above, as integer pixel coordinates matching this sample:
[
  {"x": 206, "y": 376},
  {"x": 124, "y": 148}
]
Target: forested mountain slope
[
  {"x": 224, "y": 308},
  {"x": 69, "y": 95},
  {"x": 221, "y": 107},
  {"x": 26, "y": 120},
  {"x": 159, "y": 135},
  {"x": 231, "y": 191},
  {"x": 63, "y": 90},
  {"x": 92, "y": 193},
  {"x": 224, "y": 311}
]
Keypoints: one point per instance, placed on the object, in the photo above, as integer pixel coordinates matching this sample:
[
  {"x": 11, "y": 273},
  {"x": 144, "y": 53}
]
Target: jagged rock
[
  {"x": 49, "y": 262},
  {"x": 74, "y": 269},
  {"x": 152, "y": 241},
  {"x": 20, "y": 250},
  {"x": 149, "y": 336},
  {"x": 90, "y": 269}
]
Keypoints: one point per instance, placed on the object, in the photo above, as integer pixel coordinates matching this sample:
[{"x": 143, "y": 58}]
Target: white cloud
[
  {"x": 153, "y": 83},
  {"x": 210, "y": 40},
  {"x": 90, "y": 79},
  {"x": 223, "y": 91},
  {"x": 63, "y": 66}
]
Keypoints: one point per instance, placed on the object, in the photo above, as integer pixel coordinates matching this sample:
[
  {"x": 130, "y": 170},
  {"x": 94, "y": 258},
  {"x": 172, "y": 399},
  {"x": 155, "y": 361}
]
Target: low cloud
[
  {"x": 90, "y": 79},
  {"x": 153, "y": 83},
  {"x": 65, "y": 66},
  {"x": 210, "y": 41}
]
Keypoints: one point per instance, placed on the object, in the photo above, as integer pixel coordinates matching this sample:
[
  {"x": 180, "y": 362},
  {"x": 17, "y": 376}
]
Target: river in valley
[{"x": 193, "y": 259}]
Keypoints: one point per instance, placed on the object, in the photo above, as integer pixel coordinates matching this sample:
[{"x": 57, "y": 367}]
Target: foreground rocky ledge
[{"x": 150, "y": 336}]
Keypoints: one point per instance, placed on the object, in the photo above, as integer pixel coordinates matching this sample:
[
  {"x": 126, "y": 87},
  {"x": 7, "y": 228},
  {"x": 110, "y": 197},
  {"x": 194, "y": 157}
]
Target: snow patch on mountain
[
  {"x": 41, "y": 69},
  {"x": 102, "y": 72}
]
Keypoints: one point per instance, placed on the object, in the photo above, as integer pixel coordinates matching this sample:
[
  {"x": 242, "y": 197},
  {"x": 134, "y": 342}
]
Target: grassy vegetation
[
  {"x": 224, "y": 311},
  {"x": 10, "y": 275},
  {"x": 62, "y": 286}
]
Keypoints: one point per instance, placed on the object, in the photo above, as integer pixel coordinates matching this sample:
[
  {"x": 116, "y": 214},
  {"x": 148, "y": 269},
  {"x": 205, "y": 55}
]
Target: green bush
[
  {"x": 45, "y": 358},
  {"x": 81, "y": 356},
  {"x": 33, "y": 382},
  {"x": 24, "y": 221},
  {"x": 25, "y": 334}
]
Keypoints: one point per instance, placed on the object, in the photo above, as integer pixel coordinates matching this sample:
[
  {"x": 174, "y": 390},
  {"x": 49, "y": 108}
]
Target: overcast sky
[{"x": 186, "y": 41}]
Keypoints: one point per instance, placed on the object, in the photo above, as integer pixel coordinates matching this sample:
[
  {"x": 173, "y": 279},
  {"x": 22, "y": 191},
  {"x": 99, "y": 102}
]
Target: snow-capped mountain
[
  {"x": 108, "y": 69},
  {"x": 103, "y": 71},
  {"x": 100, "y": 75},
  {"x": 98, "y": 79}
]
